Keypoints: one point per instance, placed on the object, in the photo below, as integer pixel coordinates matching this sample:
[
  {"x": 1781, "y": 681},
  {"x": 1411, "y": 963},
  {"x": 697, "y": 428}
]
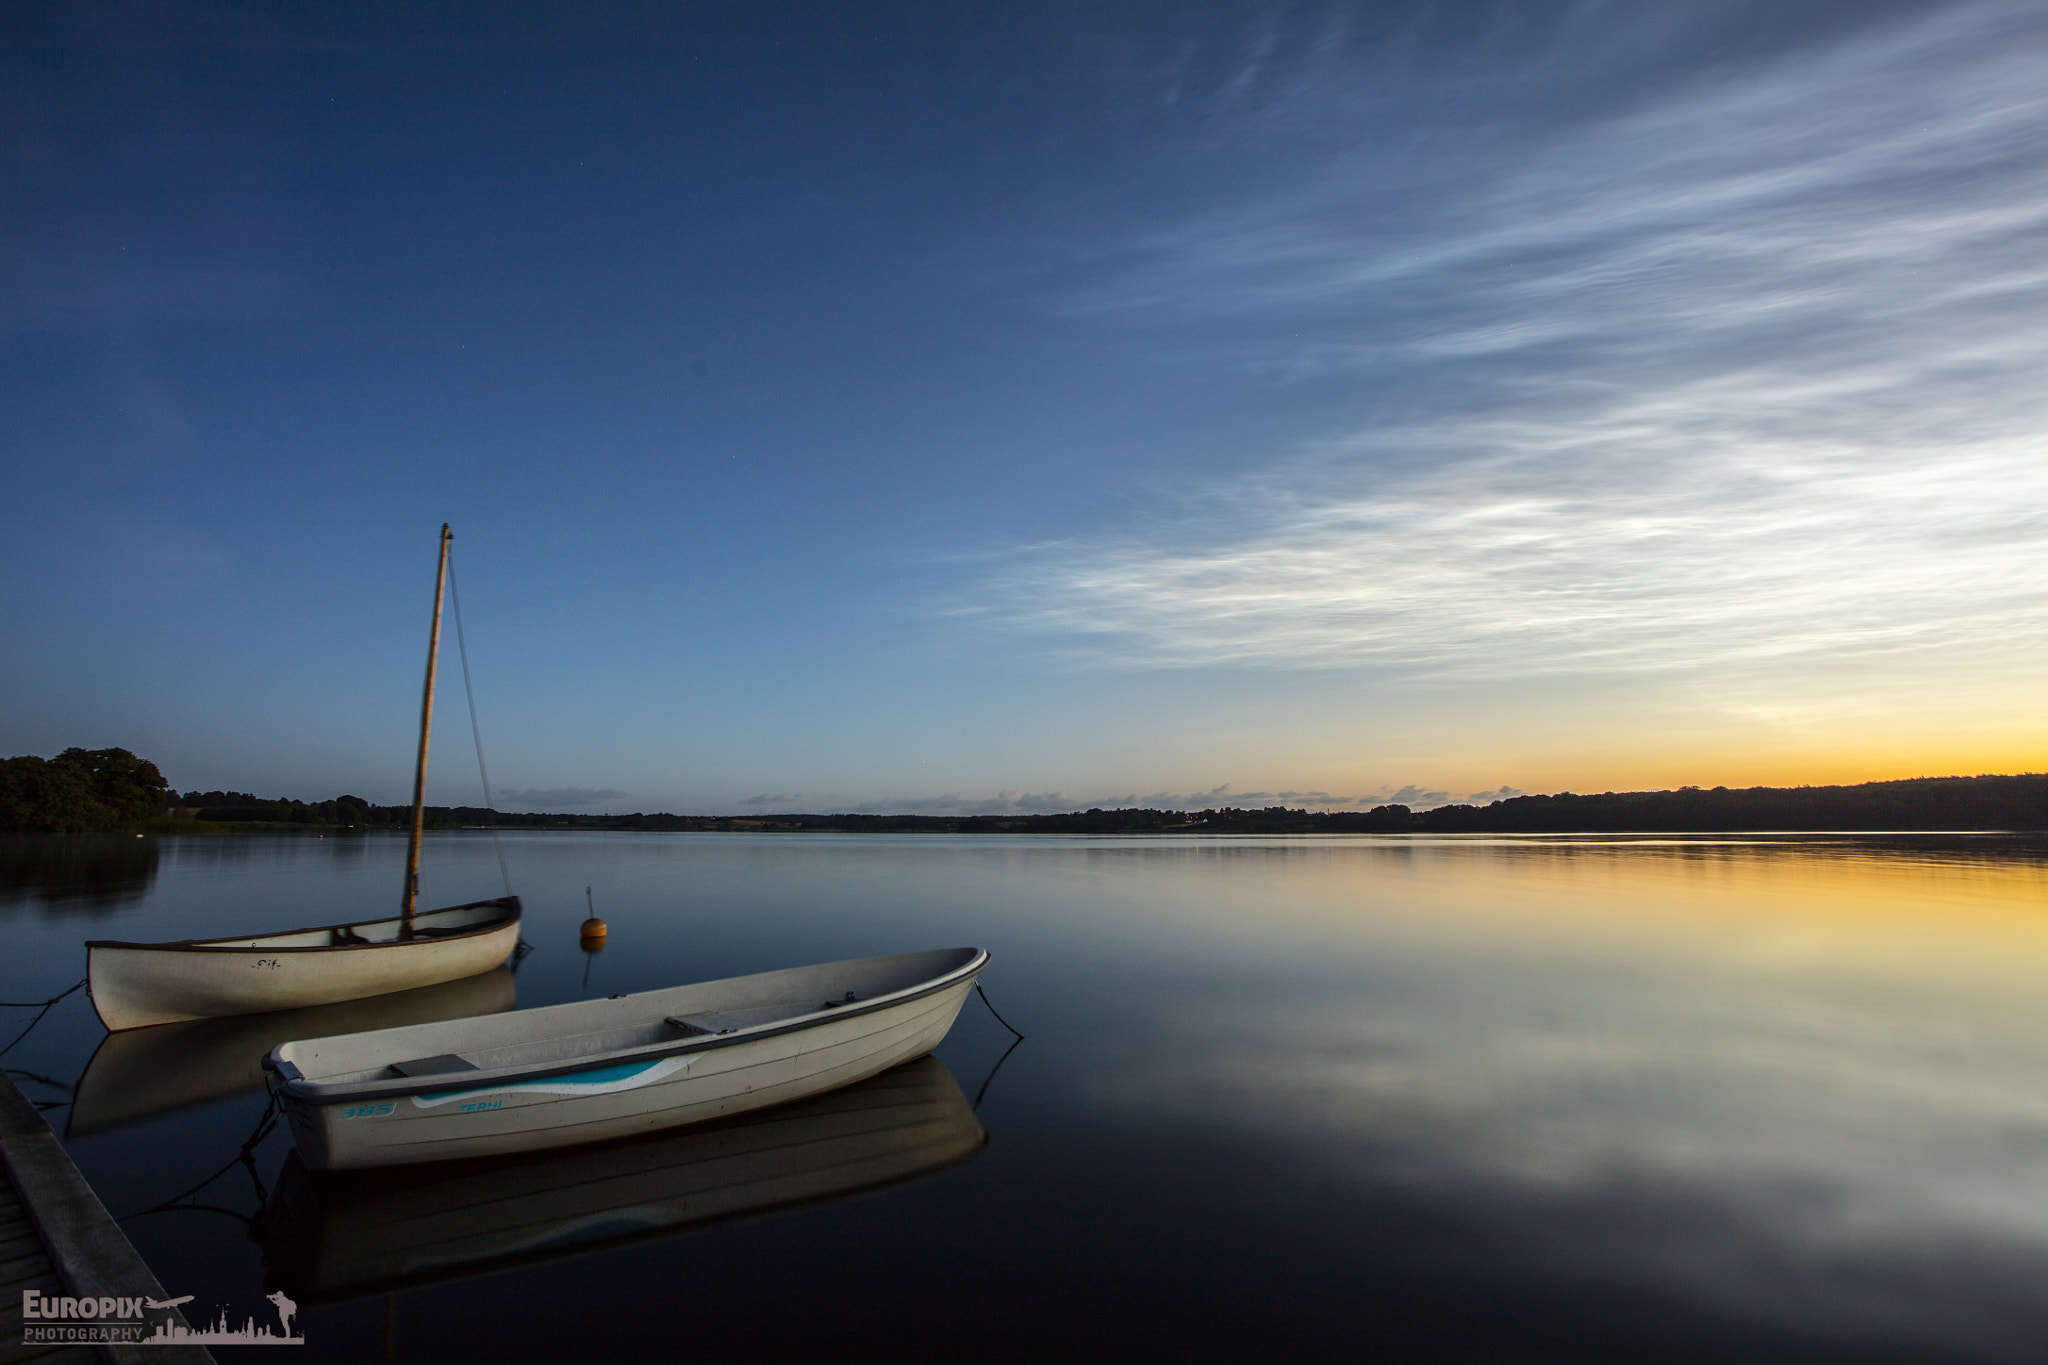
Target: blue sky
[{"x": 989, "y": 408}]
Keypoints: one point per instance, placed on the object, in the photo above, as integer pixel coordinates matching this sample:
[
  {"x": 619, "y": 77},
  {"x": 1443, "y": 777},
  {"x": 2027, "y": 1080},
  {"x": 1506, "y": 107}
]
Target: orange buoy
[{"x": 593, "y": 928}]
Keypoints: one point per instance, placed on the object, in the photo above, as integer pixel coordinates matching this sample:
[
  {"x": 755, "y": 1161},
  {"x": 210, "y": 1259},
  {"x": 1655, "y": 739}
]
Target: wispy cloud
[
  {"x": 549, "y": 797},
  {"x": 1748, "y": 372},
  {"x": 773, "y": 799}
]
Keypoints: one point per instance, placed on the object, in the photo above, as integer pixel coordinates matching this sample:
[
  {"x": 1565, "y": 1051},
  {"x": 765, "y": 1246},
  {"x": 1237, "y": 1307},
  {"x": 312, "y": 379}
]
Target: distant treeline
[
  {"x": 84, "y": 790},
  {"x": 1929, "y": 803},
  {"x": 1926, "y": 803}
]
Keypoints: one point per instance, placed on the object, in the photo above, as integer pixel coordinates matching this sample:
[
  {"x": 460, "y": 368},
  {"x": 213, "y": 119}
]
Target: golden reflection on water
[
  {"x": 1800, "y": 1054},
  {"x": 1807, "y": 898}
]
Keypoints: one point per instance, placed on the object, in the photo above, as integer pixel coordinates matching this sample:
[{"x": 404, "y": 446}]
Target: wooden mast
[{"x": 419, "y": 776}]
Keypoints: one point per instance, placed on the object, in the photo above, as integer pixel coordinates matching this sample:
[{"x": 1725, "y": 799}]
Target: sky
[{"x": 1027, "y": 407}]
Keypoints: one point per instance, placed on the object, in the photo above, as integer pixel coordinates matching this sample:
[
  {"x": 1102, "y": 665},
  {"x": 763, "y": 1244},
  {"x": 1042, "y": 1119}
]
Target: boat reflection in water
[
  {"x": 330, "y": 1236},
  {"x": 140, "y": 1073}
]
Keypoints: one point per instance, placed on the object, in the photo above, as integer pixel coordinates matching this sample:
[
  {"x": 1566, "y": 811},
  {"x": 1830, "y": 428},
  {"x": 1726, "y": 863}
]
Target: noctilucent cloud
[{"x": 988, "y": 408}]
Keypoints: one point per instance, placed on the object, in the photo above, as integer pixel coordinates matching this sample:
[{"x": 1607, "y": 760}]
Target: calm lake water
[{"x": 1578, "y": 1099}]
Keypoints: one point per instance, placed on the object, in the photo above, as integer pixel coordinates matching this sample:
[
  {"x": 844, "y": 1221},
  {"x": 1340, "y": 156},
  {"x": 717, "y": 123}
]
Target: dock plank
[
  {"x": 77, "y": 1247},
  {"x": 25, "y": 1267}
]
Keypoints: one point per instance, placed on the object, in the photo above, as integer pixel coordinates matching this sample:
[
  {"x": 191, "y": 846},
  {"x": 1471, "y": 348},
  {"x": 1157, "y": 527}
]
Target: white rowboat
[
  {"x": 337, "y": 1235},
  {"x": 135, "y": 985},
  {"x": 600, "y": 1069}
]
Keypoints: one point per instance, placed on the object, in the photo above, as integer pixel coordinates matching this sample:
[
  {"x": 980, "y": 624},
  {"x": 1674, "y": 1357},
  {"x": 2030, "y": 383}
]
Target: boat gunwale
[
  {"x": 321, "y": 1094},
  {"x": 235, "y": 943}
]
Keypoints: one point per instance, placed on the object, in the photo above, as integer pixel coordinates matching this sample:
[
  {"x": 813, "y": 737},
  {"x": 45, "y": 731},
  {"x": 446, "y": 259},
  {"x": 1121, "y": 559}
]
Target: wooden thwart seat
[
  {"x": 698, "y": 1025},
  {"x": 434, "y": 1066}
]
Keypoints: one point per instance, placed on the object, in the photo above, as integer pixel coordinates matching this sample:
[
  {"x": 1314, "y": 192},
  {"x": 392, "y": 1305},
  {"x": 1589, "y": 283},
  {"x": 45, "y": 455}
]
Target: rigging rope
[{"x": 475, "y": 731}]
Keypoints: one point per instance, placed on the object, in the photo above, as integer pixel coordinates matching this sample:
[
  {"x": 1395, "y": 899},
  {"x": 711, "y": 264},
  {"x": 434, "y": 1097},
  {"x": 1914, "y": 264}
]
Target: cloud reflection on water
[{"x": 1800, "y": 1086}]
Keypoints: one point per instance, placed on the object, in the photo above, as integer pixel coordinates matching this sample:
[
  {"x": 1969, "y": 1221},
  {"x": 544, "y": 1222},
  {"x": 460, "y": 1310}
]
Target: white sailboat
[{"x": 134, "y": 985}]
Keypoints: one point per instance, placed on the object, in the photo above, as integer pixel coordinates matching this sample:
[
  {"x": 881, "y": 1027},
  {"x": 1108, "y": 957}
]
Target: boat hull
[
  {"x": 620, "y": 1094},
  {"x": 136, "y": 985},
  {"x": 334, "y": 1236}
]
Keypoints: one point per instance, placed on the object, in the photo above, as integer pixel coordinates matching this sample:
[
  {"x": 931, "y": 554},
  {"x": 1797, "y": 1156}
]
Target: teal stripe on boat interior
[{"x": 603, "y": 1075}]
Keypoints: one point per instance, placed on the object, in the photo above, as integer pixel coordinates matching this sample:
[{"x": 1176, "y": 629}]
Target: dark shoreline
[{"x": 1912, "y": 805}]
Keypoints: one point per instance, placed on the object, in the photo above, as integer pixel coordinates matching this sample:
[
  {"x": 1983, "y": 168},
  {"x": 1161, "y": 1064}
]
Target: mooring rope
[
  {"x": 990, "y": 1079},
  {"x": 476, "y": 731},
  {"x": 41, "y": 1079},
  {"x": 37, "y": 1004},
  {"x": 246, "y": 1158},
  {"x": 45, "y": 1006},
  {"x": 992, "y": 1010}
]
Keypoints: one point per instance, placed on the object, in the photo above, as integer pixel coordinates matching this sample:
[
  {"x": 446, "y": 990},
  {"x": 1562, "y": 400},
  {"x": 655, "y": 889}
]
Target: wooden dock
[{"x": 57, "y": 1237}]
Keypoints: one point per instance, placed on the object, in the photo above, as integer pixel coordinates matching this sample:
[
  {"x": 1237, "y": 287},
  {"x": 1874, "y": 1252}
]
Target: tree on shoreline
[{"x": 80, "y": 791}]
